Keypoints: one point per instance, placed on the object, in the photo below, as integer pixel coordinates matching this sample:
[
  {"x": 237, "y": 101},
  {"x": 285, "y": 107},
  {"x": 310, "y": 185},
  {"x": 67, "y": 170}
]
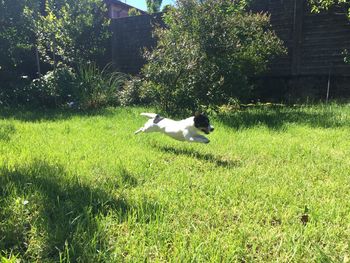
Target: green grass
[{"x": 272, "y": 186}]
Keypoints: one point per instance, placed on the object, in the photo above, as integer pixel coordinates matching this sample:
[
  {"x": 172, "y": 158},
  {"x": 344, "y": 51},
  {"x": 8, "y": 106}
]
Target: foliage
[
  {"x": 133, "y": 12},
  {"x": 62, "y": 31},
  {"x": 166, "y": 8},
  {"x": 17, "y": 57},
  {"x": 15, "y": 37},
  {"x": 130, "y": 93},
  {"x": 53, "y": 89},
  {"x": 88, "y": 87},
  {"x": 153, "y": 6},
  {"x": 135, "y": 92},
  {"x": 97, "y": 88},
  {"x": 72, "y": 32},
  {"x": 208, "y": 54},
  {"x": 319, "y": 5}
]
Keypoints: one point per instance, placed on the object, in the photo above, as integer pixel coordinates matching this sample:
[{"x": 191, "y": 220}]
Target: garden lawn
[{"x": 273, "y": 185}]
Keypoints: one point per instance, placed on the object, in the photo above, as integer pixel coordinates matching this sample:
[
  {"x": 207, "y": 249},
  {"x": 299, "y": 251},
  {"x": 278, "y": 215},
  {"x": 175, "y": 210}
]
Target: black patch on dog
[
  {"x": 201, "y": 122},
  {"x": 157, "y": 119}
]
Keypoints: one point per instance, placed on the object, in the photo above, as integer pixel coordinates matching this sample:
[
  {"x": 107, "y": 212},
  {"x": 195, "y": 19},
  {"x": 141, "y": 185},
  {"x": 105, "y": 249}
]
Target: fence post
[{"x": 37, "y": 59}]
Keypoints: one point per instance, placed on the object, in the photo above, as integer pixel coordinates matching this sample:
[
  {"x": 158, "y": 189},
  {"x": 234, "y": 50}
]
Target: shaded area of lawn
[
  {"x": 37, "y": 115},
  {"x": 49, "y": 214},
  {"x": 207, "y": 157},
  {"x": 6, "y": 132},
  {"x": 276, "y": 118}
]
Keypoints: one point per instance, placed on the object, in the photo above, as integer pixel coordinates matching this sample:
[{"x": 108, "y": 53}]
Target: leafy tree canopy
[
  {"x": 153, "y": 6},
  {"x": 318, "y": 5}
]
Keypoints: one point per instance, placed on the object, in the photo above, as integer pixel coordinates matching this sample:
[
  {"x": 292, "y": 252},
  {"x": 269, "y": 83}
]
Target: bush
[
  {"x": 208, "y": 54},
  {"x": 133, "y": 12},
  {"x": 51, "y": 90},
  {"x": 61, "y": 31},
  {"x": 135, "y": 92},
  {"x": 11, "y": 87},
  {"x": 97, "y": 88},
  {"x": 88, "y": 87},
  {"x": 130, "y": 93}
]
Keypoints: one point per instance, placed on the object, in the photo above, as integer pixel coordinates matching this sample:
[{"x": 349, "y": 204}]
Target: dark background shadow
[{"x": 67, "y": 211}]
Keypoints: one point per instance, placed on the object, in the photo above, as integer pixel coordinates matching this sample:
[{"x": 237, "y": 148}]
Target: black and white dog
[{"x": 184, "y": 130}]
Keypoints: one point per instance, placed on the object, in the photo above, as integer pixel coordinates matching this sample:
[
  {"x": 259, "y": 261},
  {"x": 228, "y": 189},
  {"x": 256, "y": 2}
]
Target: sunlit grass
[{"x": 273, "y": 185}]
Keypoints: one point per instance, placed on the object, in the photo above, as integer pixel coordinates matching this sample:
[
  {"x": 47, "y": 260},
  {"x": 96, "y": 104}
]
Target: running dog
[{"x": 184, "y": 130}]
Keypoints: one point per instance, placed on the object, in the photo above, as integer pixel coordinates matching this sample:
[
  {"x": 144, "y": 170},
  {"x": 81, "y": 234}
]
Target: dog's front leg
[{"x": 197, "y": 138}]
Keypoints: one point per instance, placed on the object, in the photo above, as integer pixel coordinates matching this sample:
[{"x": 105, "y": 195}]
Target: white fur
[{"x": 183, "y": 130}]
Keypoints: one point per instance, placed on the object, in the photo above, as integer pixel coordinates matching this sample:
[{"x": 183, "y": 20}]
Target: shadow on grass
[
  {"x": 208, "y": 157},
  {"x": 276, "y": 119},
  {"x": 6, "y": 132},
  {"x": 38, "y": 115},
  {"x": 62, "y": 213}
]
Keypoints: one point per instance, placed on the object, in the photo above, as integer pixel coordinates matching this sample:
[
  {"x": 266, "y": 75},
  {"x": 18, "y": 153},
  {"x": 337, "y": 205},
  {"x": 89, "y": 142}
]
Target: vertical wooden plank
[
  {"x": 297, "y": 36},
  {"x": 115, "y": 44},
  {"x": 37, "y": 61}
]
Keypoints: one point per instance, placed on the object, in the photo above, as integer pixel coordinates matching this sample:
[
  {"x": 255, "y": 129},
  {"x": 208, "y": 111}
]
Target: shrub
[
  {"x": 208, "y": 54},
  {"x": 130, "y": 93},
  {"x": 97, "y": 88},
  {"x": 71, "y": 32},
  {"x": 11, "y": 88},
  {"x": 88, "y": 87},
  {"x": 61, "y": 31},
  {"x": 135, "y": 92},
  {"x": 53, "y": 89},
  {"x": 133, "y": 12}
]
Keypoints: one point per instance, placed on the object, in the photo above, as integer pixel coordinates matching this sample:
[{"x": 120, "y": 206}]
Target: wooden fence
[
  {"x": 130, "y": 36},
  {"x": 315, "y": 42},
  {"x": 314, "y": 67}
]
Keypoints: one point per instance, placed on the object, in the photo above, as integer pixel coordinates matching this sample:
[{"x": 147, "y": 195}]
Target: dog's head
[{"x": 202, "y": 123}]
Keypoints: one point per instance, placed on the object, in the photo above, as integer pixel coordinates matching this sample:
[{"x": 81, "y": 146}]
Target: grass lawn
[{"x": 272, "y": 186}]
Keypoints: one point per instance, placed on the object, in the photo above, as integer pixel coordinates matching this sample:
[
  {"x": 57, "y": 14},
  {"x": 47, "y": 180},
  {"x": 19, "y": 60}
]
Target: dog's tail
[{"x": 149, "y": 115}]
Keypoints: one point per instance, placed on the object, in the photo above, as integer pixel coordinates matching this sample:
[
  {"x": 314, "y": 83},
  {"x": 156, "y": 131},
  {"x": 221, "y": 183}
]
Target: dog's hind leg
[{"x": 138, "y": 131}]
